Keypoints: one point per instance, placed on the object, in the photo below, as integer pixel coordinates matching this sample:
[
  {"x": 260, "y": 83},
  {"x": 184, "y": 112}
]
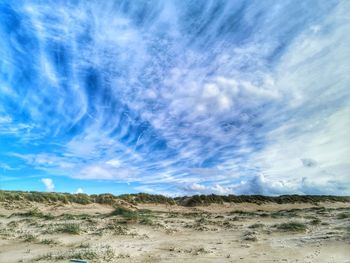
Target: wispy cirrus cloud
[{"x": 212, "y": 97}]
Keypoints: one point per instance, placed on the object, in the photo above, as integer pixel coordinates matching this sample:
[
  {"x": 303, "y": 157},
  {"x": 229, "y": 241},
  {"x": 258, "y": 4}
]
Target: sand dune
[{"x": 36, "y": 232}]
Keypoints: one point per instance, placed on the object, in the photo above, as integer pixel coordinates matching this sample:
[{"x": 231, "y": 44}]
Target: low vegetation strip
[
  {"x": 70, "y": 228},
  {"x": 196, "y": 200},
  {"x": 257, "y": 199},
  {"x": 292, "y": 227}
]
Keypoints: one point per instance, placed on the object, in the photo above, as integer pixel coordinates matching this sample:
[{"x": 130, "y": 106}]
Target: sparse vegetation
[
  {"x": 285, "y": 213},
  {"x": 48, "y": 241},
  {"x": 292, "y": 227},
  {"x": 258, "y": 199},
  {"x": 96, "y": 225},
  {"x": 343, "y": 215},
  {"x": 315, "y": 221},
  {"x": 74, "y": 217},
  {"x": 35, "y": 212},
  {"x": 250, "y": 238},
  {"x": 12, "y": 224},
  {"x": 84, "y": 245},
  {"x": 104, "y": 254},
  {"x": 347, "y": 229},
  {"x": 29, "y": 238},
  {"x": 116, "y": 228},
  {"x": 147, "y": 198},
  {"x": 196, "y": 200},
  {"x": 242, "y": 213},
  {"x": 264, "y": 215},
  {"x": 126, "y": 213},
  {"x": 70, "y": 228},
  {"x": 146, "y": 221},
  {"x": 257, "y": 225},
  {"x": 142, "y": 216}
]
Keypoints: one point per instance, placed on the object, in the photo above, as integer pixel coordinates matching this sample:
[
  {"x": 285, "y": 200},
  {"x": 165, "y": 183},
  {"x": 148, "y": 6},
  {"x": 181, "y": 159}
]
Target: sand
[{"x": 164, "y": 233}]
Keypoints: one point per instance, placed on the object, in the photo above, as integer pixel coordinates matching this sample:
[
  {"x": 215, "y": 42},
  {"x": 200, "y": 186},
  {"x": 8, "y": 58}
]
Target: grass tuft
[
  {"x": 29, "y": 238},
  {"x": 257, "y": 225},
  {"x": 48, "y": 242},
  {"x": 146, "y": 221},
  {"x": 315, "y": 221},
  {"x": 70, "y": 228},
  {"x": 126, "y": 213},
  {"x": 292, "y": 227},
  {"x": 343, "y": 215},
  {"x": 35, "y": 212}
]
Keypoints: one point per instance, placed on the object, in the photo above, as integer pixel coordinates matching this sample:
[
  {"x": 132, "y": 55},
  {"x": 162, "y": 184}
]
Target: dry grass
[
  {"x": 292, "y": 227},
  {"x": 70, "y": 228}
]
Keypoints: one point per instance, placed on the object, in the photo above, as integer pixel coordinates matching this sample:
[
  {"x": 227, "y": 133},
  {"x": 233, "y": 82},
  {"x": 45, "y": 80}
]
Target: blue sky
[{"x": 175, "y": 97}]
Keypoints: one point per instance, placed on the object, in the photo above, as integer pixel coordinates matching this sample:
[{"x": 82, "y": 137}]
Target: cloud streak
[{"x": 180, "y": 97}]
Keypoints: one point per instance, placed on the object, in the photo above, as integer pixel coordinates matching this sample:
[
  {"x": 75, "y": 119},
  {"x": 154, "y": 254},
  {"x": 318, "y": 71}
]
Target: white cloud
[
  {"x": 79, "y": 191},
  {"x": 267, "y": 186},
  {"x": 7, "y": 167},
  {"x": 114, "y": 162},
  {"x": 100, "y": 171},
  {"x": 5, "y": 119},
  {"x": 95, "y": 172},
  {"x": 196, "y": 188},
  {"x": 48, "y": 182},
  {"x": 318, "y": 152}
]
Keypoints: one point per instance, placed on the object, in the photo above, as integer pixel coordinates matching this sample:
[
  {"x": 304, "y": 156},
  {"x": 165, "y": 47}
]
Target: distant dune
[{"x": 195, "y": 200}]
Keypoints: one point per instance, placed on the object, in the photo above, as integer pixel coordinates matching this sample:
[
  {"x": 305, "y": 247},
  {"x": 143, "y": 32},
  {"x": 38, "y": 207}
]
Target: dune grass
[
  {"x": 292, "y": 227},
  {"x": 126, "y": 213},
  {"x": 257, "y": 225},
  {"x": 195, "y": 200},
  {"x": 106, "y": 254},
  {"x": 70, "y": 228},
  {"x": 315, "y": 221},
  {"x": 35, "y": 212},
  {"x": 48, "y": 241},
  {"x": 29, "y": 238},
  {"x": 343, "y": 215}
]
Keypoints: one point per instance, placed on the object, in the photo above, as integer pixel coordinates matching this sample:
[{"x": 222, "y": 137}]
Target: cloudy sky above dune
[{"x": 175, "y": 97}]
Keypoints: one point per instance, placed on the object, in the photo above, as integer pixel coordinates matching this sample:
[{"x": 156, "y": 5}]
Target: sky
[{"x": 175, "y": 97}]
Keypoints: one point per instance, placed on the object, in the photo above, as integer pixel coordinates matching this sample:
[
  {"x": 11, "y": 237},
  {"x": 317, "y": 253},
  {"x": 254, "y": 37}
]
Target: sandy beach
[{"x": 35, "y": 232}]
